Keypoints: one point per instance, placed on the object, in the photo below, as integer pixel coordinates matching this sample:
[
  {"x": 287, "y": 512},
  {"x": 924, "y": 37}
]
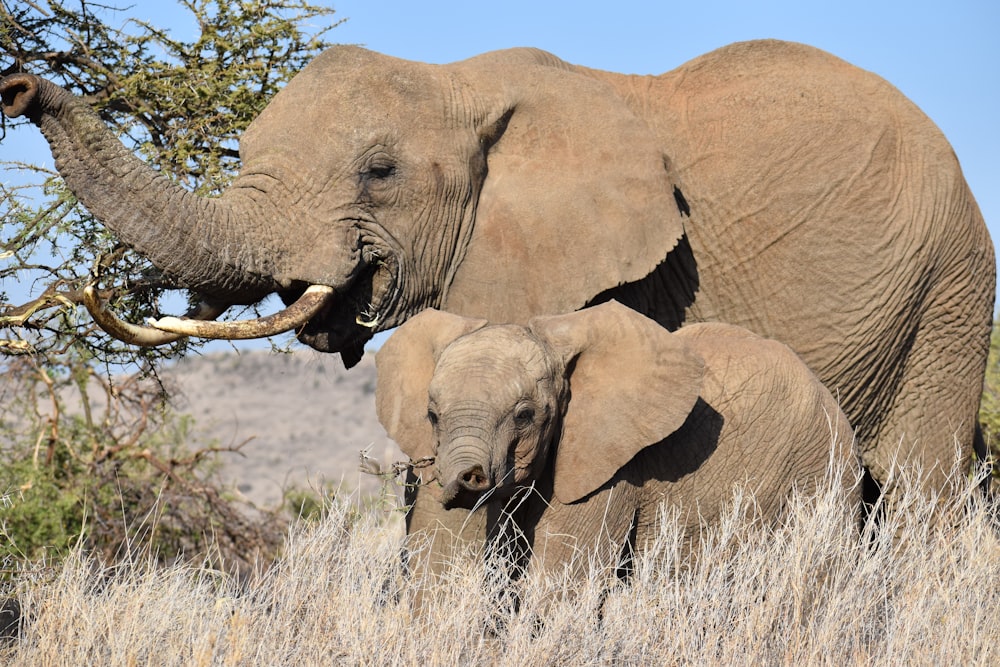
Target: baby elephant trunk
[{"x": 464, "y": 475}]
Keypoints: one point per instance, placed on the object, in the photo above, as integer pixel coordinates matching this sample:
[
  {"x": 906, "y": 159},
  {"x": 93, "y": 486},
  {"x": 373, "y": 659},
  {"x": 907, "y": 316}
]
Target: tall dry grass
[{"x": 923, "y": 590}]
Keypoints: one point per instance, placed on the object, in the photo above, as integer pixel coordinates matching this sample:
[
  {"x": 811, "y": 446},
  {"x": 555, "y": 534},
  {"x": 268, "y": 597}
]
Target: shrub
[
  {"x": 104, "y": 464},
  {"x": 989, "y": 407}
]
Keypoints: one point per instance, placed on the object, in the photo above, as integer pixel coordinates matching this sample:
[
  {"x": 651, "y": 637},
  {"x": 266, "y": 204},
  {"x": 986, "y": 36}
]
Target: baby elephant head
[{"x": 493, "y": 404}]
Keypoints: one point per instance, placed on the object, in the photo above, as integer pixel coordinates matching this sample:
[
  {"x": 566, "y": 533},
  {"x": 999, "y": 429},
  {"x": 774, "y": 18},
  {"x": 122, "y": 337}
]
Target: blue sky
[{"x": 944, "y": 58}]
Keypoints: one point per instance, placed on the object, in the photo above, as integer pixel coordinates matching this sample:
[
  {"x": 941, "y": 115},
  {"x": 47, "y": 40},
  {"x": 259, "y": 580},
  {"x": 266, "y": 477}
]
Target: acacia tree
[
  {"x": 179, "y": 104},
  {"x": 123, "y": 461}
]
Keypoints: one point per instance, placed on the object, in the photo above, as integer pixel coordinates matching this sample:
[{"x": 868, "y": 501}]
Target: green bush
[
  {"x": 108, "y": 465},
  {"x": 989, "y": 407}
]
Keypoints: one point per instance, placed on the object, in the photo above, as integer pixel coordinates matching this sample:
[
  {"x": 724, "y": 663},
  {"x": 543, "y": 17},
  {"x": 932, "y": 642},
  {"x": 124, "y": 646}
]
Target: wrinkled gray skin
[
  {"x": 766, "y": 184},
  {"x": 585, "y": 425}
]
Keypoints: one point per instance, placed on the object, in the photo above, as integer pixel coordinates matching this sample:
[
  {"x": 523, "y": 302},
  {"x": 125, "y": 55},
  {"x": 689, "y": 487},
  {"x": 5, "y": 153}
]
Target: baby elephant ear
[
  {"x": 404, "y": 367},
  {"x": 632, "y": 383}
]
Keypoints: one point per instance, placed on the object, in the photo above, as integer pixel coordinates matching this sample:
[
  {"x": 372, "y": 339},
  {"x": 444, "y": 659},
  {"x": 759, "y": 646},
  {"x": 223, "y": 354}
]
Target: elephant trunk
[
  {"x": 199, "y": 242},
  {"x": 464, "y": 473}
]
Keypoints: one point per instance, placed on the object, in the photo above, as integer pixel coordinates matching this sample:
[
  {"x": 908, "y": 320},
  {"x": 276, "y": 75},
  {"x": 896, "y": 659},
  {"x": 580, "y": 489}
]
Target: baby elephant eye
[
  {"x": 432, "y": 418},
  {"x": 524, "y": 416}
]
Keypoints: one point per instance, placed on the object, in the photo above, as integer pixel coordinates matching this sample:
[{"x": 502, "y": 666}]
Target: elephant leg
[
  {"x": 932, "y": 420},
  {"x": 598, "y": 536},
  {"x": 436, "y": 537}
]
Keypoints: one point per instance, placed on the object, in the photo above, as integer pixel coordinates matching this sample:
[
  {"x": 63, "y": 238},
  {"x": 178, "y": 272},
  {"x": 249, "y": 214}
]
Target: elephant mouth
[
  {"x": 456, "y": 496},
  {"x": 334, "y": 329},
  {"x": 346, "y": 323},
  {"x": 471, "y": 490}
]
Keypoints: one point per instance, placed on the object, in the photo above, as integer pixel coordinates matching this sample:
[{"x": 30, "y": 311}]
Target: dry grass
[{"x": 808, "y": 593}]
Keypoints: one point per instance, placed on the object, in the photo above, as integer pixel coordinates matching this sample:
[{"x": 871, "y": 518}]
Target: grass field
[{"x": 923, "y": 590}]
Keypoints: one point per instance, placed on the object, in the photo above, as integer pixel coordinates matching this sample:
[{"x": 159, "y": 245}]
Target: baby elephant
[{"x": 588, "y": 422}]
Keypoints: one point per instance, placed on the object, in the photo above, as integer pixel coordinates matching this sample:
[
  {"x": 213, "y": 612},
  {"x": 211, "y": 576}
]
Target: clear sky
[{"x": 944, "y": 56}]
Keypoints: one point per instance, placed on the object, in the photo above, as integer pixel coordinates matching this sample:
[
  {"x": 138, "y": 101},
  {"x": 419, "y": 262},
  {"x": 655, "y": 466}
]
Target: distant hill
[{"x": 306, "y": 417}]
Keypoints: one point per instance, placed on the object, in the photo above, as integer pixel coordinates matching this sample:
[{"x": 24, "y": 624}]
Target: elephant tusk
[
  {"x": 292, "y": 317},
  {"x": 368, "y": 324},
  {"x": 136, "y": 335}
]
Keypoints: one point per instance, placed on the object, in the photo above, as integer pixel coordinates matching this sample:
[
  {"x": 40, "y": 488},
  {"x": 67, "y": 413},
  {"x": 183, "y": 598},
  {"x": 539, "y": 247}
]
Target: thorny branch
[{"x": 371, "y": 466}]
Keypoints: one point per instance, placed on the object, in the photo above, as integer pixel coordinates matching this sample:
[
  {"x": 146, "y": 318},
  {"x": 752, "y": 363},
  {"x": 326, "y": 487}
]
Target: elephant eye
[
  {"x": 380, "y": 171},
  {"x": 524, "y": 416},
  {"x": 432, "y": 418}
]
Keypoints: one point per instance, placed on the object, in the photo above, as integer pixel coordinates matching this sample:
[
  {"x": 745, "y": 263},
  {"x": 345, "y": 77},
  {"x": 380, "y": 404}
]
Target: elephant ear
[
  {"x": 404, "y": 367},
  {"x": 632, "y": 383},
  {"x": 577, "y": 198}
]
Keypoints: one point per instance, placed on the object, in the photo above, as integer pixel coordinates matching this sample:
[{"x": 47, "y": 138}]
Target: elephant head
[
  {"x": 489, "y": 403},
  {"x": 391, "y": 186}
]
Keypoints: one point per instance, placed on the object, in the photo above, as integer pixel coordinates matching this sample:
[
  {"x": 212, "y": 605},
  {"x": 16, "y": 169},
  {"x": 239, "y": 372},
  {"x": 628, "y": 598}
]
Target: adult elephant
[{"x": 766, "y": 184}]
